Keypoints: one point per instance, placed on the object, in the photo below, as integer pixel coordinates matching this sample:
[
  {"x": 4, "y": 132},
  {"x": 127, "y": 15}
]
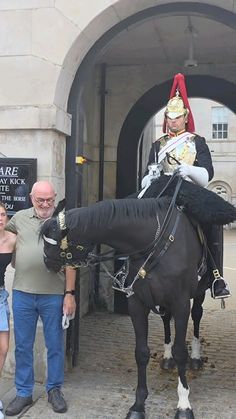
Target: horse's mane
[{"x": 114, "y": 210}]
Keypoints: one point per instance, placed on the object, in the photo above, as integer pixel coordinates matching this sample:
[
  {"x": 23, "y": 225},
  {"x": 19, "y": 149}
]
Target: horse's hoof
[
  {"x": 135, "y": 415},
  {"x": 168, "y": 364},
  {"x": 184, "y": 414},
  {"x": 195, "y": 364}
]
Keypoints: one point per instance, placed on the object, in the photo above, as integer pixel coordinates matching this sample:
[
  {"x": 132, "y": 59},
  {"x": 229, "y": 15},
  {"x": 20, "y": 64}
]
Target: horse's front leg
[
  {"x": 139, "y": 317},
  {"x": 180, "y": 354},
  {"x": 196, "y": 313},
  {"x": 167, "y": 362}
]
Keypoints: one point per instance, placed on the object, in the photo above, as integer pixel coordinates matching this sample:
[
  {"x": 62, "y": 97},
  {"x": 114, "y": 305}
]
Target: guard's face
[{"x": 177, "y": 124}]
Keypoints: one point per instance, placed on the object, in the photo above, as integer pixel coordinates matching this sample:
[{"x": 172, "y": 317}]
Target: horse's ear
[{"x": 60, "y": 206}]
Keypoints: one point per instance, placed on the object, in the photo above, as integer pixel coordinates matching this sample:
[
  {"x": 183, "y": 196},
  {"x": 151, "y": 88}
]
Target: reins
[{"x": 142, "y": 272}]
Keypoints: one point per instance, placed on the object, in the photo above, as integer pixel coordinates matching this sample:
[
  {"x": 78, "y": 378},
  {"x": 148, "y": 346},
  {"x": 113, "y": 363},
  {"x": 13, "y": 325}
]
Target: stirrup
[{"x": 224, "y": 292}]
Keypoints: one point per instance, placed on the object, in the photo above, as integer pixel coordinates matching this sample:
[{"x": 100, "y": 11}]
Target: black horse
[
  {"x": 165, "y": 186},
  {"x": 157, "y": 237}
]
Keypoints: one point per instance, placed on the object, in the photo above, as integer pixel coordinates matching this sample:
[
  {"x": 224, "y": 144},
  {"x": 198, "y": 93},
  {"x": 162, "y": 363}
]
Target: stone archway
[
  {"x": 144, "y": 108},
  {"x": 68, "y": 92},
  {"x": 108, "y": 23}
]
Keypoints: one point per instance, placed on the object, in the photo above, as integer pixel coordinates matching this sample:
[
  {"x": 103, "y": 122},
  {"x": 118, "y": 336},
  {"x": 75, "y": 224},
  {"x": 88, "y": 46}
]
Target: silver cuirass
[{"x": 183, "y": 153}]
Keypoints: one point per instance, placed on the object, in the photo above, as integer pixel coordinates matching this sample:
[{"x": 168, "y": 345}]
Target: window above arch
[{"x": 219, "y": 117}]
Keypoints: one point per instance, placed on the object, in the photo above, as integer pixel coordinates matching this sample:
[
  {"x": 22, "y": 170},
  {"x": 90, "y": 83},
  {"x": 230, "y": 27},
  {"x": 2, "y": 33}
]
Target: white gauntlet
[
  {"x": 198, "y": 175},
  {"x": 154, "y": 172},
  {"x": 146, "y": 181}
]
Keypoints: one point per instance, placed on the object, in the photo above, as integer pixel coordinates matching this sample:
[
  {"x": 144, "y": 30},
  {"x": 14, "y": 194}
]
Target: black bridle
[{"x": 66, "y": 246}]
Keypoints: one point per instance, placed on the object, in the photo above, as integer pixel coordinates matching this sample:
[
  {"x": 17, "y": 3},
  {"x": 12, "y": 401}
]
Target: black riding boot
[{"x": 219, "y": 287}]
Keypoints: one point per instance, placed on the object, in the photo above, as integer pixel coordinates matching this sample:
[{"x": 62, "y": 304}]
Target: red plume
[{"x": 179, "y": 84}]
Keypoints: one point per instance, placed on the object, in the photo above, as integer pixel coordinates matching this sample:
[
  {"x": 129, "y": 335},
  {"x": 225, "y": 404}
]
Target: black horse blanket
[{"x": 205, "y": 206}]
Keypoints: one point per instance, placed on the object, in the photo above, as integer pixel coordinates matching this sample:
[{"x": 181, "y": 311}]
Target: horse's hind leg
[
  {"x": 180, "y": 354},
  {"x": 167, "y": 362},
  {"x": 139, "y": 317},
  {"x": 196, "y": 313}
]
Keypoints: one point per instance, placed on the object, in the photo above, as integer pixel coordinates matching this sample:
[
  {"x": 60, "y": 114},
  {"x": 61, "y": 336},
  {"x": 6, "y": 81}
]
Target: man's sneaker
[
  {"x": 220, "y": 288},
  {"x": 17, "y": 405},
  {"x": 56, "y": 398}
]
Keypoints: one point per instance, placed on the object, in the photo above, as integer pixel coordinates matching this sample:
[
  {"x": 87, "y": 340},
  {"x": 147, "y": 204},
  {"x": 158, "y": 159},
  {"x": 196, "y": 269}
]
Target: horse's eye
[{"x": 49, "y": 240}]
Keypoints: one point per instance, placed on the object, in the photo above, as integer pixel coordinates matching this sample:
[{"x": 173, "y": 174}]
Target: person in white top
[{"x": 7, "y": 246}]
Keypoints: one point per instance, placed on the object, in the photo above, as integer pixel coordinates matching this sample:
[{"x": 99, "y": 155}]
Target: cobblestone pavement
[{"x": 102, "y": 386}]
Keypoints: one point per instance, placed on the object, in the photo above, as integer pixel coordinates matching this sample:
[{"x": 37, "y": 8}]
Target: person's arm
[
  {"x": 153, "y": 155},
  {"x": 198, "y": 175},
  {"x": 204, "y": 156},
  {"x": 69, "y": 304},
  {"x": 11, "y": 225},
  {"x": 202, "y": 171},
  {"x": 13, "y": 260},
  {"x": 153, "y": 158}
]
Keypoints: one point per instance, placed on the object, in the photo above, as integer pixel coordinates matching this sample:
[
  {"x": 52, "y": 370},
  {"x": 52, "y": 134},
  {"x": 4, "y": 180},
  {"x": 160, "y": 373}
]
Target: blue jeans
[
  {"x": 4, "y": 311},
  {"x": 27, "y": 308}
]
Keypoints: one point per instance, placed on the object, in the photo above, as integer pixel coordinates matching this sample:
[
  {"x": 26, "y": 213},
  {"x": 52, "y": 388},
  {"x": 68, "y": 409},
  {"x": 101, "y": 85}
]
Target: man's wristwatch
[{"x": 72, "y": 292}]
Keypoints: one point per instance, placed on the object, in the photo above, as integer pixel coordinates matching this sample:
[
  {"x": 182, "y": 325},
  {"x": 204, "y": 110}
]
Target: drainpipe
[{"x": 102, "y": 93}]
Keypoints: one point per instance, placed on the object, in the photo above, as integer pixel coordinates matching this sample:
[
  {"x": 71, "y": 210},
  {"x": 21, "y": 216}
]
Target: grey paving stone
[{"x": 102, "y": 386}]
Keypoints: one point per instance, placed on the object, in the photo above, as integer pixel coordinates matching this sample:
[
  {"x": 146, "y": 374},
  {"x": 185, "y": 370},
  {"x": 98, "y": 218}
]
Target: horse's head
[{"x": 59, "y": 248}]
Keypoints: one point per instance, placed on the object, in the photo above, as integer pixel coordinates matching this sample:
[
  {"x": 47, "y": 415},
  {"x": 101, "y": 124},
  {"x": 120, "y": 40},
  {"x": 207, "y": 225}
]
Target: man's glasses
[{"x": 41, "y": 201}]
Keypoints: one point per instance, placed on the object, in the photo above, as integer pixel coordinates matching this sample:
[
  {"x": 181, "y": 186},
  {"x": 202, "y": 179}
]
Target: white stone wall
[
  {"x": 47, "y": 146},
  {"x": 42, "y": 43}
]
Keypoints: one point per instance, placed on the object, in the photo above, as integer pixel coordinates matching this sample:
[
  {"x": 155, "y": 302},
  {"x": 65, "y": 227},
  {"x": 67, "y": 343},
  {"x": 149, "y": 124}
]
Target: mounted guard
[{"x": 183, "y": 151}]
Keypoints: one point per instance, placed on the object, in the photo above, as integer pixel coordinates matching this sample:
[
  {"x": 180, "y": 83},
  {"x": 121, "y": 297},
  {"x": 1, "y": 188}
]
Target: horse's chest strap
[
  {"x": 147, "y": 266},
  {"x": 169, "y": 241}
]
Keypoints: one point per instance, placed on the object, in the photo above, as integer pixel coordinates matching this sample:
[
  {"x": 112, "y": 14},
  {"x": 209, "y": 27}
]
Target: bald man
[{"x": 38, "y": 293}]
